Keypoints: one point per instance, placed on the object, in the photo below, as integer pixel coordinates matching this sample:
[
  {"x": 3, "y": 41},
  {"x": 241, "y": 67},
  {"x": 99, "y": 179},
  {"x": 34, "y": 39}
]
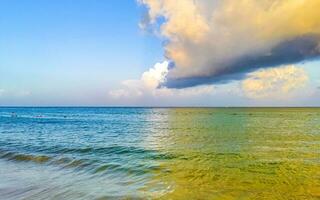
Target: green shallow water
[
  {"x": 243, "y": 154},
  {"x": 153, "y": 153}
]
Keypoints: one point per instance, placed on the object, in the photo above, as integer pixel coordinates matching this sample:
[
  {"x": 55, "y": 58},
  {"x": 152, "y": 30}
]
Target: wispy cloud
[
  {"x": 14, "y": 93},
  {"x": 2, "y": 91},
  {"x": 276, "y": 83}
]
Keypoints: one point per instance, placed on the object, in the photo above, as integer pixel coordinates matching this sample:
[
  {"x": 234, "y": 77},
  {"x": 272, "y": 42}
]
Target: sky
[{"x": 159, "y": 53}]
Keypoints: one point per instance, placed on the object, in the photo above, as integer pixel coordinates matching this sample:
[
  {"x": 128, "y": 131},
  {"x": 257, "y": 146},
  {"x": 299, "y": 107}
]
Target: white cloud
[
  {"x": 148, "y": 86},
  {"x": 2, "y": 91},
  {"x": 276, "y": 83},
  {"x": 14, "y": 93}
]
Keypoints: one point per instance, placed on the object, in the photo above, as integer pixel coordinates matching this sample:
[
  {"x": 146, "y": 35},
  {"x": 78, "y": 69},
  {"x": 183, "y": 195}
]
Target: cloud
[
  {"x": 148, "y": 86},
  {"x": 14, "y": 93},
  {"x": 148, "y": 82},
  {"x": 211, "y": 41},
  {"x": 2, "y": 91},
  {"x": 274, "y": 83}
]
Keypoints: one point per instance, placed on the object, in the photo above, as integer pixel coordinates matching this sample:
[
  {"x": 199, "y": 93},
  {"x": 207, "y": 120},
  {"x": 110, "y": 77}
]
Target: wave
[
  {"x": 117, "y": 150},
  {"x": 98, "y": 152},
  {"x": 94, "y": 165},
  {"x": 24, "y": 157},
  {"x": 43, "y": 159}
]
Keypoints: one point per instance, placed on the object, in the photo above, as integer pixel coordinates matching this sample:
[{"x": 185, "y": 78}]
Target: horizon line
[{"x": 80, "y": 106}]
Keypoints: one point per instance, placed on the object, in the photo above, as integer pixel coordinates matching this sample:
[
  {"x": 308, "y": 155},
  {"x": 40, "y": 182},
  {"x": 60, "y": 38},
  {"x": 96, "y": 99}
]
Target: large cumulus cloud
[{"x": 212, "y": 41}]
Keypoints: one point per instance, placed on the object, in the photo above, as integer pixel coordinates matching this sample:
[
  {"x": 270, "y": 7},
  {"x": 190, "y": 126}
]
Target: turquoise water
[{"x": 159, "y": 153}]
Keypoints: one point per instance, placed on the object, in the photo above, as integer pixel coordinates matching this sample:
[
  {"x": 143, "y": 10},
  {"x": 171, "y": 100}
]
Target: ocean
[{"x": 159, "y": 153}]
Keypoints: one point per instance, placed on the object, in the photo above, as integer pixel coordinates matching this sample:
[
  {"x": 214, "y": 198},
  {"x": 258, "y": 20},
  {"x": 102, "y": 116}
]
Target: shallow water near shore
[{"x": 159, "y": 153}]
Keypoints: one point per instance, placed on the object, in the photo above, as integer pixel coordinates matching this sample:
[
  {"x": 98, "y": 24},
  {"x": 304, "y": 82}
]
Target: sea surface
[{"x": 159, "y": 153}]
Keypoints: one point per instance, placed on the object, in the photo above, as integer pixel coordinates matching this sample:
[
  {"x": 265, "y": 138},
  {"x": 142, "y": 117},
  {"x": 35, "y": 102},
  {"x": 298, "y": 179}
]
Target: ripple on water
[{"x": 174, "y": 153}]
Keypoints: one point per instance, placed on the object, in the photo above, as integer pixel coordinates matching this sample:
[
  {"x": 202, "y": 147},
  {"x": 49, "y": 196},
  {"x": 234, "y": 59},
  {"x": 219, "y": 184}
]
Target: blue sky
[
  {"x": 68, "y": 52},
  {"x": 53, "y": 48}
]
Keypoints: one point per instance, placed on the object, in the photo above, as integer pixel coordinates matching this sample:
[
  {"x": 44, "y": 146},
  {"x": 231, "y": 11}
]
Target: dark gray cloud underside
[{"x": 292, "y": 51}]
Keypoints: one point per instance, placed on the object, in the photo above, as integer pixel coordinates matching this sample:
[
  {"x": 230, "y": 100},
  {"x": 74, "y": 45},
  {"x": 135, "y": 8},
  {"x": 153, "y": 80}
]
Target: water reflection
[
  {"x": 141, "y": 153},
  {"x": 239, "y": 153}
]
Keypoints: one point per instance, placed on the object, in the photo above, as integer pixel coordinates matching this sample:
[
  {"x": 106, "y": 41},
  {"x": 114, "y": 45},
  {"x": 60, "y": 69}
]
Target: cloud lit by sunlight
[
  {"x": 280, "y": 82},
  {"x": 218, "y": 41}
]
